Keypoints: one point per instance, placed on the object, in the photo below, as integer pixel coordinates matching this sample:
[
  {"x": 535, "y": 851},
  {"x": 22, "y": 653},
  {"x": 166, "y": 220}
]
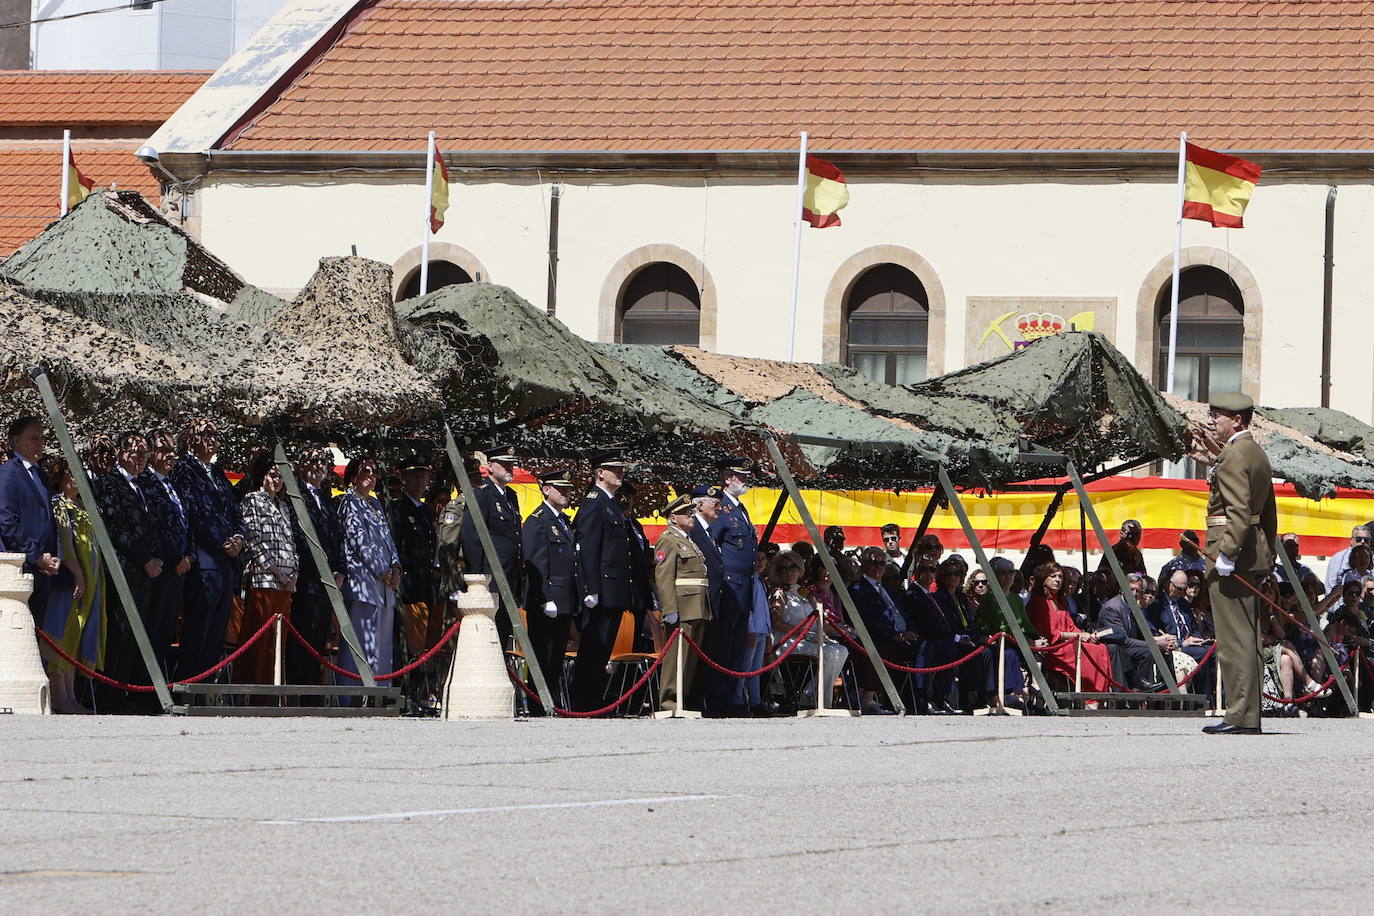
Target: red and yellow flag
[
  {"x": 1217, "y": 187},
  {"x": 78, "y": 186},
  {"x": 438, "y": 195},
  {"x": 826, "y": 193}
]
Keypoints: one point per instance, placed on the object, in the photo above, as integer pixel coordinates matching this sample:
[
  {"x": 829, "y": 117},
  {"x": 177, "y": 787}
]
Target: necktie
[
  {"x": 137, "y": 492},
  {"x": 36, "y": 478},
  {"x": 1178, "y": 620},
  {"x": 563, "y": 524},
  {"x": 176, "y": 500}
]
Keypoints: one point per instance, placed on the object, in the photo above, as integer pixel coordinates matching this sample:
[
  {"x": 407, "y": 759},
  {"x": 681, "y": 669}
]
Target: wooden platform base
[
  {"x": 1134, "y": 704},
  {"x": 375, "y": 701}
]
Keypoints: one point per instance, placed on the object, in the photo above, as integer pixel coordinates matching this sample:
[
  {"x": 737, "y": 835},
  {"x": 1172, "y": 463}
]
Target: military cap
[
  {"x": 555, "y": 479},
  {"x": 736, "y": 466},
  {"x": 609, "y": 458},
  {"x": 680, "y": 506},
  {"x": 1231, "y": 402},
  {"x": 502, "y": 453},
  {"x": 707, "y": 490},
  {"x": 414, "y": 463}
]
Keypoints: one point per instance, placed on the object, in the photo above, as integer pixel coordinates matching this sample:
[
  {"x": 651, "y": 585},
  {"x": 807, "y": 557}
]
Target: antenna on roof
[{"x": 355, "y": 250}]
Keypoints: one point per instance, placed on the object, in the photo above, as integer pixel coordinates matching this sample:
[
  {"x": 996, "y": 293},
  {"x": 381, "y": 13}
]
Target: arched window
[
  {"x": 661, "y": 305},
  {"x": 441, "y": 273},
  {"x": 1211, "y": 334},
  {"x": 887, "y": 316}
]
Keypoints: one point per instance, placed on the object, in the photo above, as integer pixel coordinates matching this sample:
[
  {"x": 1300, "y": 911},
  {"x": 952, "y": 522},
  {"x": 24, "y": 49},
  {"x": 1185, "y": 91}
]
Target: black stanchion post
[
  {"x": 909, "y": 560},
  {"x": 1166, "y": 671},
  {"x": 102, "y": 536},
  {"x": 1332, "y": 664},
  {"x": 1022, "y": 643},
  {"x": 498, "y": 575},
  {"x": 790, "y": 487},
  {"x": 312, "y": 537},
  {"x": 773, "y": 519}
]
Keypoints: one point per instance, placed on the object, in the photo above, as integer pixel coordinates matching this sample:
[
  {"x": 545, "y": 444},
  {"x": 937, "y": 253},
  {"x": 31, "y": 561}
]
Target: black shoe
[
  {"x": 1152, "y": 687},
  {"x": 765, "y": 710},
  {"x": 1226, "y": 728},
  {"x": 942, "y": 708}
]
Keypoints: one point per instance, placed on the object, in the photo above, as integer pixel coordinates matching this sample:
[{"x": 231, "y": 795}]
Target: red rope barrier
[
  {"x": 148, "y": 688},
  {"x": 741, "y": 675},
  {"x": 1305, "y": 697},
  {"x": 634, "y": 688},
  {"x": 390, "y": 675},
  {"x": 935, "y": 670}
]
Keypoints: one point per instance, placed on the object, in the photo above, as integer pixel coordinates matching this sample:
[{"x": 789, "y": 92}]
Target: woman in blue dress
[{"x": 373, "y": 567}]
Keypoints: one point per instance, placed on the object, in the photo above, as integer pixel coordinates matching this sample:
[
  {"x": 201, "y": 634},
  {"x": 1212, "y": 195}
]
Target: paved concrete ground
[{"x": 121, "y": 815}]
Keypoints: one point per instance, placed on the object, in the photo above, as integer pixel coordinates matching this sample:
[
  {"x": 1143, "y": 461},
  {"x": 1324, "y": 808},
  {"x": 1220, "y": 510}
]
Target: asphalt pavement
[{"x": 126, "y": 815}]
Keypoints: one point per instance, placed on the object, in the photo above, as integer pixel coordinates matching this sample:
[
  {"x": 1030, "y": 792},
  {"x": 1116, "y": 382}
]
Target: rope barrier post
[
  {"x": 1166, "y": 672},
  {"x": 277, "y": 660},
  {"x": 1332, "y": 664},
  {"x": 1216, "y": 697},
  {"x": 498, "y": 575},
  {"x": 846, "y": 599},
  {"x": 678, "y": 711},
  {"x": 39, "y": 375},
  {"x": 1078, "y": 666},
  {"x": 312, "y": 537},
  {"x": 1003, "y": 604}
]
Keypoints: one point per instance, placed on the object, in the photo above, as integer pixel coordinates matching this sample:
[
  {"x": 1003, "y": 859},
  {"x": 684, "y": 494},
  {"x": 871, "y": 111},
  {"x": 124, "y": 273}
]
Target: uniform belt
[
  {"x": 701, "y": 582},
  {"x": 1213, "y": 520}
]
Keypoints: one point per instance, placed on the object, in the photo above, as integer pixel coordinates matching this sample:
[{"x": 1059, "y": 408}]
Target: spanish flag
[
  {"x": 826, "y": 193},
  {"x": 78, "y": 186},
  {"x": 438, "y": 195},
  {"x": 1217, "y": 187}
]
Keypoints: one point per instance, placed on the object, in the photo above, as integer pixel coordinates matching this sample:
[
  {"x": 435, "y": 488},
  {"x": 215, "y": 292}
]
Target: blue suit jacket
[
  {"x": 882, "y": 622},
  {"x": 715, "y": 566},
  {"x": 1160, "y": 618},
  {"x": 26, "y": 522},
  {"x": 174, "y": 537},
  {"x": 733, "y": 531},
  {"x": 211, "y": 512}
]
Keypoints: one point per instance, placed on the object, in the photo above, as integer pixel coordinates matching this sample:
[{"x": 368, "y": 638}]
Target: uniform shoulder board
[{"x": 591, "y": 494}]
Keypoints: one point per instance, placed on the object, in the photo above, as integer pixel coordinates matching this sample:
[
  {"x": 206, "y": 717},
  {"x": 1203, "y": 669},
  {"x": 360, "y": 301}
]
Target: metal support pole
[
  {"x": 1166, "y": 671},
  {"x": 498, "y": 575},
  {"x": 102, "y": 537},
  {"x": 1003, "y": 604},
  {"x": 551, "y": 296},
  {"x": 312, "y": 537},
  {"x": 1050, "y": 513},
  {"x": 910, "y": 559},
  {"x": 790, "y": 486},
  {"x": 1332, "y": 664},
  {"x": 773, "y": 519}
]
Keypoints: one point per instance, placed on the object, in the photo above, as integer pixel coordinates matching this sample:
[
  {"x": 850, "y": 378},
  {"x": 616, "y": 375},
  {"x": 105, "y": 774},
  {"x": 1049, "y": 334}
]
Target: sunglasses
[{"x": 978, "y": 582}]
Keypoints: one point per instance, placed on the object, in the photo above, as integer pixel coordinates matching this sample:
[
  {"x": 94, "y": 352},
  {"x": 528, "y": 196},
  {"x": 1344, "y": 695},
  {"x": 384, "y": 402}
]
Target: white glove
[
  {"x": 550, "y": 609},
  {"x": 1224, "y": 565},
  {"x": 670, "y": 619},
  {"x": 592, "y": 600}
]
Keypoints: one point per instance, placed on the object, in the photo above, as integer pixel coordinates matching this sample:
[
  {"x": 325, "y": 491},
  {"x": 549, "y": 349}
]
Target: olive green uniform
[
  {"x": 1242, "y": 522},
  {"x": 680, "y": 574}
]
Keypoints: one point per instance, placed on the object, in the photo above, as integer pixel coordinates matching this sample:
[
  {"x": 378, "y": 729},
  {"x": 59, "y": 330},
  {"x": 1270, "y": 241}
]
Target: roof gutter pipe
[{"x": 1328, "y": 267}]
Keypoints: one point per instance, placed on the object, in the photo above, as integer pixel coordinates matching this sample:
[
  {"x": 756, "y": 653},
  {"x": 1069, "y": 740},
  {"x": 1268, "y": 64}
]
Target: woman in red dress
[{"x": 1049, "y": 617}]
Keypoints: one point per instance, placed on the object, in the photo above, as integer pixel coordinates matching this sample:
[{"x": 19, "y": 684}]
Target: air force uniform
[
  {"x": 551, "y": 593},
  {"x": 733, "y": 532}
]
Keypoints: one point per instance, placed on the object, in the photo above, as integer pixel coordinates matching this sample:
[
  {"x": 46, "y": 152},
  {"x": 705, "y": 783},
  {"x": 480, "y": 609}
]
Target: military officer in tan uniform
[
  {"x": 680, "y": 574},
  {"x": 1242, "y": 522}
]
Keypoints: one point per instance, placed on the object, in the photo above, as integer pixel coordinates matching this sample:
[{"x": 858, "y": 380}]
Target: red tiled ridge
[
  {"x": 73, "y": 98},
  {"x": 567, "y": 75},
  {"x": 29, "y": 194}
]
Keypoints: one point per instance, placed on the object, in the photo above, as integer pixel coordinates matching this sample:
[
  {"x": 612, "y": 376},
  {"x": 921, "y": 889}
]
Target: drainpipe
[
  {"x": 1326, "y": 294},
  {"x": 555, "y": 196}
]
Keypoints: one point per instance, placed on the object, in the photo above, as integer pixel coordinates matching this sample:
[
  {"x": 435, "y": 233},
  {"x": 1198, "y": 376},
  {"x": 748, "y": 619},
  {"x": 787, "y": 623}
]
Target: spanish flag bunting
[
  {"x": 438, "y": 197},
  {"x": 826, "y": 193},
  {"x": 1217, "y": 187},
  {"x": 78, "y": 186}
]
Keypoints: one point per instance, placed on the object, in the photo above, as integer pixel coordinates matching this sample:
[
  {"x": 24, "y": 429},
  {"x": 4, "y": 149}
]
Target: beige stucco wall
[{"x": 978, "y": 235}]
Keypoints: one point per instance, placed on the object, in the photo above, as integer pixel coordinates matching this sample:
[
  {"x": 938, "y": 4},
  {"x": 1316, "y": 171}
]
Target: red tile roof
[
  {"x": 74, "y": 98},
  {"x": 859, "y": 74},
  {"x": 29, "y": 193}
]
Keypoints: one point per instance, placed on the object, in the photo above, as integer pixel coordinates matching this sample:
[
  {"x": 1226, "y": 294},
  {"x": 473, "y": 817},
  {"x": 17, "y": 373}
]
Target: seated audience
[{"x": 1051, "y": 619}]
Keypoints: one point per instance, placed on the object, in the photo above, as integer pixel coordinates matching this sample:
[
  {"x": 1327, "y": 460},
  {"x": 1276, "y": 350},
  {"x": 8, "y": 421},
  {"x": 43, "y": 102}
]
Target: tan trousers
[
  {"x": 1235, "y": 613},
  {"x": 667, "y": 674}
]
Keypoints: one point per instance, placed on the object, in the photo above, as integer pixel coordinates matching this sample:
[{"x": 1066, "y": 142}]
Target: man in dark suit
[
  {"x": 551, "y": 593},
  {"x": 737, "y": 538},
  {"x": 501, "y": 511},
  {"x": 124, "y": 508},
  {"x": 605, "y": 546},
  {"x": 1171, "y": 614},
  {"x": 218, "y": 537},
  {"x": 706, "y": 500},
  {"x": 312, "y": 614},
  {"x": 412, "y": 527},
  {"x": 887, "y": 621},
  {"x": 641, "y": 568},
  {"x": 1130, "y": 653},
  {"x": 26, "y": 520},
  {"x": 174, "y": 545}
]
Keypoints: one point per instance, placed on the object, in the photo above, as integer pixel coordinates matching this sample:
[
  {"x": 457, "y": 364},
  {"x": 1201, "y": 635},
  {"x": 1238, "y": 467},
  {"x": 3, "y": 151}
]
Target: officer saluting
[
  {"x": 605, "y": 546},
  {"x": 501, "y": 510},
  {"x": 680, "y": 574},
  {"x": 1242, "y": 522},
  {"x": 734, "y": 533},
  {"x": 551, "y": 593}
]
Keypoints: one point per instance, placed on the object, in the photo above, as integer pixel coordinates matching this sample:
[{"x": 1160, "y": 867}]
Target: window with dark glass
[
  {"x": 441, "y": 273},
  {"x": 661, "y": 306},
  {"x": 1211, "y": 334},
  {"x": 887, "y": 318}
]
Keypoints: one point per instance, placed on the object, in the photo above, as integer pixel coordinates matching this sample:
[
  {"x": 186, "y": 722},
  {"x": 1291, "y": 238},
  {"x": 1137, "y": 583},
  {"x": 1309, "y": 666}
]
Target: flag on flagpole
[
  {"x": 1218, "y": 187},
  {"x": 78, "y": 186},
  {"x": 826, "y": 193},
  {"x": 438, "y": 195}
]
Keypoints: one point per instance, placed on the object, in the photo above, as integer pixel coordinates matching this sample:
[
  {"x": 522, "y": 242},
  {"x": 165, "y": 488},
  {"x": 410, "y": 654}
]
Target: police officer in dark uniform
[
  {"x": 412, "y": 528},
  {"x": 605, "y": 549},
  {"x": 551, "y": 593},
  {"x": 641, "y": 569},
  {"x": 733, "y": 531},
  {"x": 501, "y": 510}
]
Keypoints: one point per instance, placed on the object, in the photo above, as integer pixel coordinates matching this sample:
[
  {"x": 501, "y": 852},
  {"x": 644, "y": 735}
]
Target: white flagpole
[
  {"x": 66, "y": 158},
  {"x": 429, "y": 199},
  {"x": 796, "y": 253},
  {"x": 1178, "y": 249}
]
